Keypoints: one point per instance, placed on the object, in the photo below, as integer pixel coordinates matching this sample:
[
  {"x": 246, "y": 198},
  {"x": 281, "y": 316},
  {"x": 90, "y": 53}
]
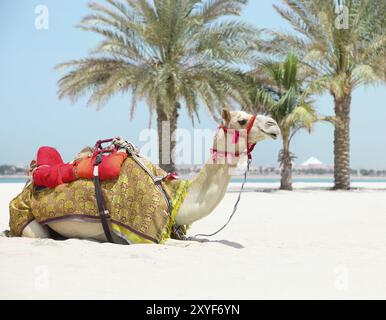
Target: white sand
[{"x": 304, "y": 244}]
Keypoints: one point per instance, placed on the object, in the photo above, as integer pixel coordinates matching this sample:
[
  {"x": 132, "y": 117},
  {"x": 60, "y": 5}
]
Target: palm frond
[
  {"x": 342, "y": 56},
  {"x": 288, "y": 97},
  {"x": 163, "y": 52}
]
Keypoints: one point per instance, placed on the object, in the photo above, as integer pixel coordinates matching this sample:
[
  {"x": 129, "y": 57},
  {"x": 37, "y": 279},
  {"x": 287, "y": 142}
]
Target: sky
[{"x": 32, "y": 115}]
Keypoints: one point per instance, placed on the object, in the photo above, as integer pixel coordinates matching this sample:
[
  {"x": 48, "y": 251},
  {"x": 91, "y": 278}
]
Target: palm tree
[
  {"x": 287, "y": 99},
  {"x": 340, "y": 59},
  {"x": 168, "y": 53}
]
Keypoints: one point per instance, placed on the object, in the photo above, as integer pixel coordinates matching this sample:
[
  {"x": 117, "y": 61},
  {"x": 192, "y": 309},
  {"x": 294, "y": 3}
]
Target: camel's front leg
[{"x": 35, "y": 230}]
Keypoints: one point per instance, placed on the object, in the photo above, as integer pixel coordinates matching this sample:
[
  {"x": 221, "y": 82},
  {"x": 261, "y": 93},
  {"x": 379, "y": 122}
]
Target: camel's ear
[{"x": 226, "y": 115}]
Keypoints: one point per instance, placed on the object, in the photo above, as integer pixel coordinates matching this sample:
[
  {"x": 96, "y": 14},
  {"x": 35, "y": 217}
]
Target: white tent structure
[{"x": 314, "y": 163}]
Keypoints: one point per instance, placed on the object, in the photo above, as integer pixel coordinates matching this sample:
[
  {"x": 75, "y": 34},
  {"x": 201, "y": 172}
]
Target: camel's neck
[{"x": 206, "y": 191}]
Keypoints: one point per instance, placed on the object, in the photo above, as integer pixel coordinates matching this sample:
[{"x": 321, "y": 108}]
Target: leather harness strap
[
  {"x": 103, "y": 212},
  {"x": 131, "y": 150}
]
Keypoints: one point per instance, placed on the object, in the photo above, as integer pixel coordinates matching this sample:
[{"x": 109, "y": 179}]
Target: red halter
[{"x": 236, "y": 135}]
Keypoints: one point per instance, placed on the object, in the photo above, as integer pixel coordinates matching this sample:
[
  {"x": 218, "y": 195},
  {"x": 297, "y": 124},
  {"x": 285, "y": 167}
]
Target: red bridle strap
[
  {"x": 250, "y": 147},
  {"x": 236, "y": 135}
]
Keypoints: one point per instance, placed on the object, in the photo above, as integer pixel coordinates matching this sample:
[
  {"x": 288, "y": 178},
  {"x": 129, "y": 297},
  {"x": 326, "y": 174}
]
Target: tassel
[{"x": 171, "y": 176}]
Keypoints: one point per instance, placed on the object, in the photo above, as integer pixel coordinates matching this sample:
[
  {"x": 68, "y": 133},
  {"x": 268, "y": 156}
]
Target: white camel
[{"x": 207, "y": 188}]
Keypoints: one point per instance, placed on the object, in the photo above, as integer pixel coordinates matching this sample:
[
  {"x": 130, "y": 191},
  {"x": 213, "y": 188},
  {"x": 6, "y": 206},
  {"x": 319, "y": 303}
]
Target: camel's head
[
  {"x": 262, "y": 128},
  {"x": 239, "y": 132}
]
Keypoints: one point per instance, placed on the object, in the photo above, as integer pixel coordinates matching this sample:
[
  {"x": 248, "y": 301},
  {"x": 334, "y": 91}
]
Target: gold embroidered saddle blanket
[{"x": 139, "y": 212}]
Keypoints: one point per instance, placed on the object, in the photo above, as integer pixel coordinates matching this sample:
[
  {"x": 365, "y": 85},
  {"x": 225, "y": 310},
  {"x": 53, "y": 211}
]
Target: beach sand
[{"x": 312, "y": 244}]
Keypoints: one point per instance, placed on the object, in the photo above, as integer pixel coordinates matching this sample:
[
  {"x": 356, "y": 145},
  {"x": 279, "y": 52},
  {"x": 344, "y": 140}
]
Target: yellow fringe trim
[
  {"x": 176, "y": 203},
  {"x": 129, "y": 235}
]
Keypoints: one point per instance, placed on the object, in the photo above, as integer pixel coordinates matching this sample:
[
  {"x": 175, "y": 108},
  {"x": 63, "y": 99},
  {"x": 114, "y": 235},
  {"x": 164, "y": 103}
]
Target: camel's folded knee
[
  {"x": 35, "y": 230},
  {"x": 21, "y": 220}
]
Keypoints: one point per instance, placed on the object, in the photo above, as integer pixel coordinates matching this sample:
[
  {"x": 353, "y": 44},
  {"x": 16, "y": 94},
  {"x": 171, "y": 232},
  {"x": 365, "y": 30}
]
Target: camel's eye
[{"x": 242, "y": 122}]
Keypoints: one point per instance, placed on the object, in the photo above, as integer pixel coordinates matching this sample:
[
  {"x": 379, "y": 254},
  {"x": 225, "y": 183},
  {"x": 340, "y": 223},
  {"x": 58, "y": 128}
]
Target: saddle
[{"x": 48, "y": 170}]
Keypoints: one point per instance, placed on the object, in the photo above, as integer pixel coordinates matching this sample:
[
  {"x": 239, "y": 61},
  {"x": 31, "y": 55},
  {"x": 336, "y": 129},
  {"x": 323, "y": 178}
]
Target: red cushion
[
  {"x": 48, "y": 156},
  {"x": 109, "y": 168},
  {"x": 51, "y": 170},
  {"x": 52, "y": 176}
]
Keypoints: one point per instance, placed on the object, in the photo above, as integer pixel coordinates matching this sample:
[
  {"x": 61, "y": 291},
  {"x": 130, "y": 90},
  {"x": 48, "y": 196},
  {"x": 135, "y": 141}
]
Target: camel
[{"x": 206, "y": 189}]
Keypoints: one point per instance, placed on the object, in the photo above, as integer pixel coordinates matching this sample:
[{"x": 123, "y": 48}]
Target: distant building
[
  {"x": 314, "y": 163},
  {"x": 21, "y": 166}
]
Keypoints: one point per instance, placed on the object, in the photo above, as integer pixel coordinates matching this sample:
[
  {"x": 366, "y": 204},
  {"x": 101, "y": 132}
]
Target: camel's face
[{"x": 263, "y": 128}]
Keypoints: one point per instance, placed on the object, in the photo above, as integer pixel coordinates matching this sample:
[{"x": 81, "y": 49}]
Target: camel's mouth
[{"x": 272, "y": 135}]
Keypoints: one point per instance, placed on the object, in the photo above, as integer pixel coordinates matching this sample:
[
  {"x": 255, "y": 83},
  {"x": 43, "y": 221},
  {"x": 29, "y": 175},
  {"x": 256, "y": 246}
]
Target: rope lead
[{"x": 234, "y": 208}]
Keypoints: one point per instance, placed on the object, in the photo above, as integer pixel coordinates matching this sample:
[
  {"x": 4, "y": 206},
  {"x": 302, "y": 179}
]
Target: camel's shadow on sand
[
  {"x": 172, "y": 243},
  {"x": 228, "y": 243},
  {"x": 189, "y": 241}
]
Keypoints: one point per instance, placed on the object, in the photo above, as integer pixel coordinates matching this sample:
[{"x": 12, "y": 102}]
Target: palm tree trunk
[
  {"x": 166, "y": 126},
  {"x": 173, "y": 127},
  {"x": 286, "y": 166},
  {"x": 342, "y": 143}
]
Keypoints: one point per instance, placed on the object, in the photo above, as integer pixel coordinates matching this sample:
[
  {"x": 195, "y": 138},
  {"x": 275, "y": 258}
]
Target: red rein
[{"x": 235, "y": 140}]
